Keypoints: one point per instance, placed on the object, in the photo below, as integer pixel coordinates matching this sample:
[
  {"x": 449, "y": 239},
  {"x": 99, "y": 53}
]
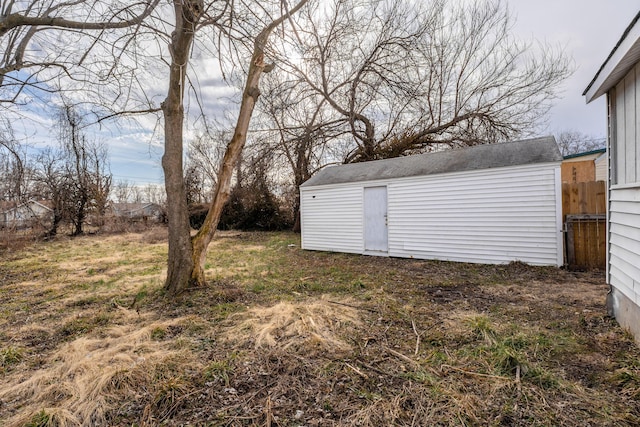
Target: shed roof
[
  {"x": 625, "y": 54},
  {"x": 528, "y": 151}
]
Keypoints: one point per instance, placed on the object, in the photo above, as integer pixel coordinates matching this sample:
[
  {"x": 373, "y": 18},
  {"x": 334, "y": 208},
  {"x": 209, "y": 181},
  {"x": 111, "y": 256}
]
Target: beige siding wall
[{"x": 602, "y": 169}]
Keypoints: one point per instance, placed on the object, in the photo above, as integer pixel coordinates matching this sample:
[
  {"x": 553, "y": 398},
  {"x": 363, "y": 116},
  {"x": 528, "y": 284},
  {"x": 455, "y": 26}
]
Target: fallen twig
[
  {"x": 400, "y": 356},
  {"x": 410, "y": 360},
  {"x": 357, "y": 371},
  {"x": 477, "y": 374},
  {"x": 415, "y": 331},
  {"x": 267, "y": 411},
  {"x": 374, "y": 369},
  {"x": 352, "y": 306}
]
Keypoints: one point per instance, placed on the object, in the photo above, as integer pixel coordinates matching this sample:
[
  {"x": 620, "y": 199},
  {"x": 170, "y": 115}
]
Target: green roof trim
[{"x": 586, "y": 153}]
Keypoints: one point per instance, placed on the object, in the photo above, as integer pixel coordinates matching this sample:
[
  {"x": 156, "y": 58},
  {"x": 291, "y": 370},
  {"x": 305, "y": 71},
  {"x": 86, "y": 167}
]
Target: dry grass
[
  {"x": 285, "y": 337},
  {"x": 311, "y": 325},
  {"x": 86, "y": 379}
]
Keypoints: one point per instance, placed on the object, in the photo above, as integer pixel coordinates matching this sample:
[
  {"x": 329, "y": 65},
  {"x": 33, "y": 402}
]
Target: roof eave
[
  {"x": 617, "y": 64},
  {"x": 586, "y": 153},
  {"x": 41, "y": 205}
]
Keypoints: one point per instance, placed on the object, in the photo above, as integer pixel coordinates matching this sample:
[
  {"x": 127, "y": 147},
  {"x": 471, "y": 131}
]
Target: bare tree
[
  {"x": 84, "y": 48},
  {"x": 13, "y": 166},
  {"x": 101, "y": 181},
  {"x": 299, "y": 130},
  {"x": 413, "y": 76},
  {"x": 137, "y": 194},
  {"x": 154, "y": 193},
  {"x": 122, "y": 191},
  {"x": 86, "y": 170},
  {"x": 74, "y": 149},
  {"x": 575, "y": 142},
  {"x": 52, "y": 178},
  {"x": 200, "y": 242},
  {"x": 112, "y": 27},
  {"x": 203, "y": 158},
  {"x": 194, "y": 185}
]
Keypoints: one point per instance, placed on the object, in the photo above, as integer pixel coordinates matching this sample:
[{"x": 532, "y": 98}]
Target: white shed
[
  {"x": 485, "y": 204},
  {"x": 619, "y": 80}
]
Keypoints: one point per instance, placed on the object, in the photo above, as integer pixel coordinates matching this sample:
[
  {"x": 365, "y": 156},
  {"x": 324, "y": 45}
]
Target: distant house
[
  {"x": 585, "y": 167},
  {"x": 485, "y": 204},
  {"x": 26, "y": 214},
  {"x": 619, "y": 80},
  {"x": 138, "y": 211}
]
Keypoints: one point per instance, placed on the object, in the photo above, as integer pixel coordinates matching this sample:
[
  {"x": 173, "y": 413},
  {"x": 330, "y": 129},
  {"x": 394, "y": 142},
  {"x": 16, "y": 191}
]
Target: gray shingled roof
[{"x": 529, "y": 151}]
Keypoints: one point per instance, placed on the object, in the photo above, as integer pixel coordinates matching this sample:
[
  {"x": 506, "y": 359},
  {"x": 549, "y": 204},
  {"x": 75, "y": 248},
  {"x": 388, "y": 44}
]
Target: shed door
[{"x": 375, "y": 219}]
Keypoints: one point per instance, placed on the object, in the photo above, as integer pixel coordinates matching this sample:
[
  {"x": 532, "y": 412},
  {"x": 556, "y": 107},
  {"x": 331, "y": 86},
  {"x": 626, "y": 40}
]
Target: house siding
[
  {"x": 623, "y": 265},
  {"x": 624, "y": 242},
  {"x": 619, "y": 79},
  {"x": 625, "y": 149},
  {"x": 485, "y": 216}
]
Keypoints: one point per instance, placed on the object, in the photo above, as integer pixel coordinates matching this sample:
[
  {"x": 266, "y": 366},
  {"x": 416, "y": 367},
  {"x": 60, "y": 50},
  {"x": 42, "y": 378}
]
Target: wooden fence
[
  {"x": 584, "y": 217},
  {"x": 583, "y": 198}
]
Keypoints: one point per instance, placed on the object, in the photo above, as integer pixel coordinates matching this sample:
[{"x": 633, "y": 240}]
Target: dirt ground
[{"x": 285, "y": 337}]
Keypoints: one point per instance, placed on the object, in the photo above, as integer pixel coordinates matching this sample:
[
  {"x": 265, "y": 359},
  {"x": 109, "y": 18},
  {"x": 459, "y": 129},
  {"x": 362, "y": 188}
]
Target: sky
[{"x": 587, "y": 30}]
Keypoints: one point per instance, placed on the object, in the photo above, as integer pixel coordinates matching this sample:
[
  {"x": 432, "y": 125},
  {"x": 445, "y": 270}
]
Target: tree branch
[{"x": 15, "y": 20}]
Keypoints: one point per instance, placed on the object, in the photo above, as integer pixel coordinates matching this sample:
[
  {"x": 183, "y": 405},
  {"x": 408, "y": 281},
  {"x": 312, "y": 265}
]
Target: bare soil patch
[{"x": 284, "y": 337}]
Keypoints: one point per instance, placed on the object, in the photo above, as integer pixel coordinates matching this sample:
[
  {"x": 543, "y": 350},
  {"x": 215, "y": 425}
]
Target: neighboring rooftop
[
  {"x": 528, "y": 151},
  {"x": 586, "y": 153},
  {"x": 11, "y": 205}
]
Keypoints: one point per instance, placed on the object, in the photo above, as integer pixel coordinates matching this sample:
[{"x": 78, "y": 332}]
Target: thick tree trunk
[
  {"x": 180, "y": 259},
  {"x": 79, "y": 217},
  {"x": 297, "y": 222},
  {"x": 301, "y": 174},
  {"x": 55, "y": 222}
]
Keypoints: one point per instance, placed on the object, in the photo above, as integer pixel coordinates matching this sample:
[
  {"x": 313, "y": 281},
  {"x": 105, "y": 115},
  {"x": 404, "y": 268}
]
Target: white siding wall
[
  {"x": 626, "y": 129},
  {"x": 489, "y": 216},
  {"x": 624, "y": 242},
  {"x": 331, "y": 218},
  {"x": 624, "y": 192}
]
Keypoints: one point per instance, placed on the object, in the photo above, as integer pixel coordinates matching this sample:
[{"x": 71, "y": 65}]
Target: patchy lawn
[{"x": 283, "y": 337}]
